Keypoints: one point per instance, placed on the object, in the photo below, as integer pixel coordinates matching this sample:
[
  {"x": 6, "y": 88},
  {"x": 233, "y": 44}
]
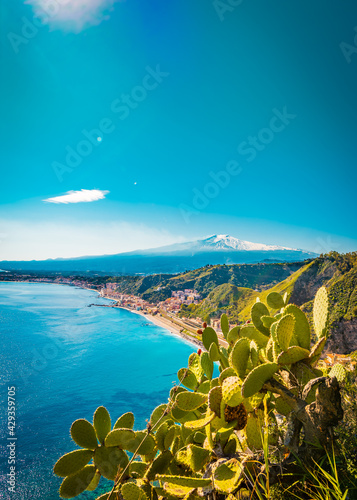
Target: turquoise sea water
[{"x": 66, "y": 359}]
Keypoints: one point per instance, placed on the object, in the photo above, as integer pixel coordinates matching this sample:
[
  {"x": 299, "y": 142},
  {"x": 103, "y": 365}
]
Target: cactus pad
[
  {"x": 95, "y": 481},
  {"x": 275, "y": 300},
  {"x": 201, "y": 423},
  {"x": 83, "y": 434},
  {"x": 101, "y": 423},
  {"x": 257, "y": 378},
  {"x": 108, "y": 459},
  {"x": 160, "y": 464},
  {"x": 251, "y": 333},
  {"x": 285, "y": 330},
  {"x": 143, "y": 447},
  {"x": 187, "y": 378},
  {"x": 189, "y": 482},
  {"x": 214, "y": 352},
  {"x": 320, "y": 312},
  {"x": 194, "y": 362},
  {"x": 76, "y": 483},
  {"x": 268, "y": 321},
  {"x": 126, "y": 421},
  {"x": 231, "y": 391},
  {"x": 137, "y": 469},
  {"x": 317, "y": 350},
  {"x": 292, "y": 355},
  {"x": 197, "y": 457},
  {"x": 119, "y": 437},
  {"x": 233, "y": 335},
  {"x": 227, "y": 372},
  {"x": 227, "y": 476},
  {"x": 338, "y": 371},
  {"x": 282, "y": 407},
  {"x": 302, "y": 328},
  {"x": 215, "y": 399},
  {"x": 258, "y": 310},
  {"x": 207, "y": 365},
  {"x": 131, "y": 491},
  {"x": 224, "y": 325},
  {"x": 253, "y": 431},
  {"x": 189, "y": 401},
  {"x": 239, "y": 356},
  {"x": 209, "y": 336},
  {"x": 72, "y": 462}
]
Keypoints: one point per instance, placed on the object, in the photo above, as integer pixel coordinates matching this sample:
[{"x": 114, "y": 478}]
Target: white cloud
[
  {"x": 72, "y": 15},
  {"x": 84, "y": 195}
]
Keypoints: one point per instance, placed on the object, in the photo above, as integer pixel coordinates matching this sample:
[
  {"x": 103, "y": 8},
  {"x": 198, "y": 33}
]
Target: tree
[{"x": 269, "y": 408}]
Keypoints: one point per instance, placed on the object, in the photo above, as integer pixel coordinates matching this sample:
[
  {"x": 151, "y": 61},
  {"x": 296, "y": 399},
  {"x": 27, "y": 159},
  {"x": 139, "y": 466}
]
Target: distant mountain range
[{"x": 216, "y": 249}]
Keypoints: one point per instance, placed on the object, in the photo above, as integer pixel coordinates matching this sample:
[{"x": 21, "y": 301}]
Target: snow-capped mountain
[{"x": 216, "y": 249}]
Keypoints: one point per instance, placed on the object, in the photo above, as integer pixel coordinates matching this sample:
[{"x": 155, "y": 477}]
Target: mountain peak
[{"x": 227, "y": 242}]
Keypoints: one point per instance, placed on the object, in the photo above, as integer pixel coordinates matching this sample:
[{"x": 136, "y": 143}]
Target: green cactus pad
[
  {"x": 257, "y": 378},
  {"x": 161, "y": 434},
  {"x": 159, "y": 411},
  {"x": 109, "y": 459},
  {"x": 119, "y": 437},
  {"x": 101, "y": 423},
  {"x": 233, "y": 335},
  {"x": 254, "y": 353},
  {"x": 187, "y": 378},
  {"x": 72, "y": 462},
  {"x": 194, "y": 362},
  {"x": 231, "y": 391},
  {"x": 215, "y": 382},
  {"x": 302, "y": 328},
  {"x": 189, "y": 401},
  {"x": 269, "y": 355},
  {"x": 137, "y": 469},
  {"x": 181, "y": 416},
  {"x": 227, "y": 476},
  {"x": 93, "y": 485},
  {"x": 76, "y": 483},
  {"x": 258, "y": 310},
  {"x": 209, "y": 336},
  {"x": 83, "y": 434},
  {"x": 268, "y": 321},
  {"x": 207, "y": 365},
  {"x": 131, "y": 491},
  {"x": 201, "y": 423},
  {"x": 253, "y": 431},
  {"x": 285, "y": 330},
  {"x": 189, "y": 482},
  {"x": 251, "y": 333},
  {"x": 293, "y": 355},
  {"x": 275, "y": 300},
  {"x": 282, "y": 407},
  {"x": 214, "y": 352},
  {"x": 205, "y": 387},
  {"x": 160, "y": 464},
  {"x": 170, "y": 436},
  {"x": 199, "y": 437},
  {"x": 239, "y": 356},
  {"x": 227, "y": 372},
  {"x": 126, "y": 421},
  {"x": 316, "y": 350},
  {"x": 338, "y": 371},
  {"x": 253, "y": 402},
  {"x": 320, "y": 312},
  {"x": 215, "y": 399},
  {"x": 224, "y": 325},
  {"x": 197, "y": 456},
  {"x": 146, "y": 447}
]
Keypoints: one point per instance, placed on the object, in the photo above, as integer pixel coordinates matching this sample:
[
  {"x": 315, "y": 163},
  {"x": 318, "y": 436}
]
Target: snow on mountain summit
[{"x": 226, "y": 242}]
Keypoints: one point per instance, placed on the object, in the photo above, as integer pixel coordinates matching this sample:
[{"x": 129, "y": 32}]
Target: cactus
[
  {"x": 231, "y": 391},
  {"x": 189, "y": 482},
  {"x": 95, "y": 481},
  {"x": 254, "y": 353},
  {"x": 131, "y": 491},
  {"x": 207, "y": 365},
  {"x": 257, "y": 378},
  {"x": 197, "y": 457},
  {"x": 138, "y": 469},
  {"x": 258, "y": 310},
  {"x": 238, "y": 413},
  {"x": 108, "y": 459},
  {"x": 194, "y": 362},
  {"x": 189, "y": 401},
  {"x": 214, "y": 354},
  {"x": 126, "y": 421},
  {"x": 215, "y": 399},
  {"x": 284, "y": 330},
  {"x": 83, "y": 434},
  {"x": 227, "y": 475},
  {"x": 120, "y": 438},
  {"x": 160, "y": 464},
  {"x": 268, "y": 321},
  {"x": 208, "y": 337},
  {"x": 233, "y": 335},
  {"x": 253, "y": 431},
  {"x": 224, "y": 325},
  {"x": 275, "y": 300},
  {"x": 338, "y": 371},
  {"x": 302, "y": 328},
  {"x": 293, "y": 355},
  {"x": 200, "y": 423},
  {"x": 101, "y": 423},
  {"x": 72, "y": 462},
  {"x": 76, "y": 483},
  {"x": 251, "y": 333},
  {"x": 320, "y": 312},
  {"x": 239, "y": 356},
  {"x": 187, "y": 378}
]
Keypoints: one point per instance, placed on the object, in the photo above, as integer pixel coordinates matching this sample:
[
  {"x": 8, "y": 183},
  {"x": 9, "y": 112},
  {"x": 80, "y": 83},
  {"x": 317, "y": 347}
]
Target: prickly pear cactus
[{"x": 212, "y": 429}]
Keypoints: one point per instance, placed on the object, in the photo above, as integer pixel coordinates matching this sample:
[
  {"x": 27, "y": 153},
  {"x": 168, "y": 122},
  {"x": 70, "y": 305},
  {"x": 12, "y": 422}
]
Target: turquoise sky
[{"x": 191, "y": 118}]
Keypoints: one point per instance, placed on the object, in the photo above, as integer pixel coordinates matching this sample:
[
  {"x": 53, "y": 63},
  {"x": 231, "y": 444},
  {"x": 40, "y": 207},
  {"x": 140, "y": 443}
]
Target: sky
[{"x": 130, "y": 124}]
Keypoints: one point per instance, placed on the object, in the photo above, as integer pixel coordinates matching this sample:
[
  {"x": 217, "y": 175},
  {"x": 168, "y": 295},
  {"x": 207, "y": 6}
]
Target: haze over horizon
[{"x": 133, "y": 126}]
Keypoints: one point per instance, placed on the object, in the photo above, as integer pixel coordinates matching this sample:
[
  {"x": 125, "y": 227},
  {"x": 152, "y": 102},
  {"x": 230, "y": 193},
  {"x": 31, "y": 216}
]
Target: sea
[{"x": 60, "y": 360}]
